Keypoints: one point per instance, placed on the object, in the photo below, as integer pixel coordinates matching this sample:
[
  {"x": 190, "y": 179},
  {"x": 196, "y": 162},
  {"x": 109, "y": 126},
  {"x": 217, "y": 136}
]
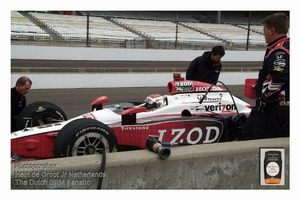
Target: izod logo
[{"x": 184, "y": 84}]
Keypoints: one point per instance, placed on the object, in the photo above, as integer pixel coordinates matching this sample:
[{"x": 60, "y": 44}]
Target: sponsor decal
[
  {"x": 279, "y": 63},
  {"x": 204, "y": 89},
  {"x": 284, "y": 103},
  {"x": 40, "y": 109},
  {"x": 89, "y": 115},
  {"x": 212, "y": 108},
  {"x": 184, "y": 86},
  {"x": 134, "y": 128},
  {"x": 272, "y": 163},
  {"x": 195, "y": 135},
  {"x": 206, "y": 98}
]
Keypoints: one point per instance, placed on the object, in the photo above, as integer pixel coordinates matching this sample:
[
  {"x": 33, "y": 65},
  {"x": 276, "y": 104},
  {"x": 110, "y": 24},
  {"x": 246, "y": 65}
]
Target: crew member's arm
[{"x": 278, "y": 76}]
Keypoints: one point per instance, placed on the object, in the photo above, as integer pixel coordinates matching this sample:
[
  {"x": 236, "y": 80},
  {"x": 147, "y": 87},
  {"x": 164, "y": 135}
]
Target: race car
[{"x": 191, "y": 113}]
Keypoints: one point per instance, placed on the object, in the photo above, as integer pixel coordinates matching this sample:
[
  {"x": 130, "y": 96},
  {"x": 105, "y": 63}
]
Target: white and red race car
[{"x": 192, "y": 113}]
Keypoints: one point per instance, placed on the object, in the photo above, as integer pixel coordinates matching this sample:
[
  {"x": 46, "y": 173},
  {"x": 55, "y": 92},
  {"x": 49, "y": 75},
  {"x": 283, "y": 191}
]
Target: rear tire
[{"x": 84, "y": 136}]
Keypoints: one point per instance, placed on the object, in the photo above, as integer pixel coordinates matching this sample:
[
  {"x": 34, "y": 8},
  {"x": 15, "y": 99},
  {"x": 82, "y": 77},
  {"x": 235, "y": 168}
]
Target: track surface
[
  {"x": 117, "y": 64},
  {"x": 75, "y": 102},
  {"x": 65, "y": 66}
]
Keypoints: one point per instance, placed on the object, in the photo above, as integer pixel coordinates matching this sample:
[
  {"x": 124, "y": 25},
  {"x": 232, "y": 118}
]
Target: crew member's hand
[{"x": 262, "y": 105}]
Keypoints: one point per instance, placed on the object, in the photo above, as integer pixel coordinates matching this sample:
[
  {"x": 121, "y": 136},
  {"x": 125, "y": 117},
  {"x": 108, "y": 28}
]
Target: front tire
[
  {"x": 84, "y": 136},
  {"x": 38, "y": 114}
]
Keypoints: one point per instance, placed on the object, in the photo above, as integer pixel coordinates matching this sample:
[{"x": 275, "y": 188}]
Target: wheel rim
[
  {"x": 45, "y": 118},
  {"x": 90, "y": 143}
]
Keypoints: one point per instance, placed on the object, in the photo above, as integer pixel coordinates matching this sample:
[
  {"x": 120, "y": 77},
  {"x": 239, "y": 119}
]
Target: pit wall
[
  {"x": 231, "y": 165},
  {"x": 94, "y": 80},
  {"x": 107, "y": 54}
]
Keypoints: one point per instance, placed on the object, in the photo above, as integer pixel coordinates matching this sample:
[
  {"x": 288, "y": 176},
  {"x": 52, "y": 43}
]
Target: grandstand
[
  {"x": 23, "y": 29},
  {"x": 138, "y": 29}
]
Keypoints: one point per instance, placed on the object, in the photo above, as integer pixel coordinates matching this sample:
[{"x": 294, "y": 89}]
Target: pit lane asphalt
[{"x": 75, "y": 102}]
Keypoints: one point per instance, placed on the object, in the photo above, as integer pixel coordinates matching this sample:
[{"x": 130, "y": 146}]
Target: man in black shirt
[
  {"x": 18, "y": 99},
  {"x": 206, "y": 68}
]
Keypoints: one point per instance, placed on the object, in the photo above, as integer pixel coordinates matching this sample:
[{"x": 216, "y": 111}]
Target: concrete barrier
[
  {"x": 64, "y": 78},
  {"x": 231, "y": 165},
  {"x": 113, "y": 54}
]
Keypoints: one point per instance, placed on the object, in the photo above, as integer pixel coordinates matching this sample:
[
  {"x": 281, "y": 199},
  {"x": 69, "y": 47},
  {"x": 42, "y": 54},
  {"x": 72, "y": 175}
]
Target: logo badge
[{"x": 272, "y": 162}]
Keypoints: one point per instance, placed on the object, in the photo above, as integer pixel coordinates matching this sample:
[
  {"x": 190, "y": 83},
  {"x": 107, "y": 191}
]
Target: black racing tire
[
  {"x": 38, "y": 114},
  {"x": 84, "y": 136}
]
